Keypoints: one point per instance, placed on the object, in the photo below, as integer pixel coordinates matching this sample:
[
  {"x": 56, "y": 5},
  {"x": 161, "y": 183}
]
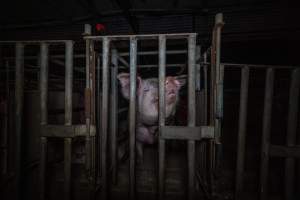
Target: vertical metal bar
[
  {"x": 88, "y": 53},
  {"x": 199, "y": 116},
  {"x": 44, "y": 58},
  {"x": 6, "y": 125},
  {"x": 114, "y": 113},
  {"x": 68, "y": 117},
  {"x": 268, "y": 100},
  {"x": 67, "y": 167},
  {"x": 292, "y": 133},
  {"x": 205, "y": 95},
  {"x": 68, "y": 82},
  {"x": 87, "y": 96},
  {"x": 132, "y": 115},
  {"x": 99, "y": 99},
  {"x": 161, "y": 147},
  {"x": 104, "y": 114},
  {"x": 218, "y": 91},
  {"x": 191, "y": 113},
  {"x": 242, "y": 132},
  {"x": 19, "y": 96},
  {"x": 42, "y": 172}
]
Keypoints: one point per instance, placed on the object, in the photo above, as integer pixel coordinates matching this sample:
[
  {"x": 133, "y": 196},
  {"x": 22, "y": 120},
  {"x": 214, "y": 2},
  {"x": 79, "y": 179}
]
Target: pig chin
[{"x": 171, "y": 98}]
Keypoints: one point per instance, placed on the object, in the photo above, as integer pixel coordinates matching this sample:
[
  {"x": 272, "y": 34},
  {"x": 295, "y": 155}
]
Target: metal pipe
[
  {"x": 6, "y": 122},
  {"x": 218, "y": 90},
  {"x": 267, "y": 116},
  {"x": 242, "y": 132},
  {"x": 146, "y": 53},
  {"x": 114, "y": 113},
  {"x": 191, "y": 113},
  {"x": 67, "y": 167},
  {"x": 99, "y": 99},
  {"x": 88, "y": 51},
  {"x": 132, "y": 115},
  {"x": 33, "y": 41},
  {"x": 44, "y": 56},
  {"x": 292, "y": 133},
  {"x": 104, "y": 114},
  {"x": 19, "y": 97},
  {"x": 205, "y": 95},
  {"x": 161, "y": 147},
  {"x": 142, "y": 36},
  {"x": 68, "y": 82},
  {"x": 68, "y": 117}
]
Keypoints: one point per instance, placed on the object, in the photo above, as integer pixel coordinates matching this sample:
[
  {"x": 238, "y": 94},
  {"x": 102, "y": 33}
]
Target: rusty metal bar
[
  {"x": 191, "y": 113},
  {"x": 161, "y": 147},
  {"x": 68, "y": 82},
  {"x": 132, "y": 115},
  {"x": 104, "y": 114},
  {"x": 242, "y": 132},
  {"x": 267, "y": 116},
  {"x": 67, "y": 168},
  {"x": 114, "y": 113},
  {"x": 44, "y": 59},
  {"x": 19, "y": 97},
  {"x": 291, "y": 137}
]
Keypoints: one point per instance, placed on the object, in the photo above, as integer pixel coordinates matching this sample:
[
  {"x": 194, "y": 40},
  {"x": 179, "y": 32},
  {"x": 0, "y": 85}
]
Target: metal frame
[{"x": 290, "y": 151}]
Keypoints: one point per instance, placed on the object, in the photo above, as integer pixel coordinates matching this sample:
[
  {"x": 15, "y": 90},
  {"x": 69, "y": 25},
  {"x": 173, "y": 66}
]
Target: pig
[{"x": 147, "y": 105}]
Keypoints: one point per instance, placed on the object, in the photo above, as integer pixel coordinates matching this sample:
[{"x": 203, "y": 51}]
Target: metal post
[
  {"x": 218, "y": 91},
  {"x": 19, "y": 96},
  {"x": 67, "y": 167},
  {"x": 6, "y": 122},
  {"x": 242, "y": 132},
  {"x": 87, "y": 106},
  {"x": 132, "y": 115},
  {"x": 191, "y": 113},
  {"x": 104, "y": 114},
  {"x": 68, "y": 82},
  {"x": 269, "y": 89},
  {"x": 68, "y": 117},
  {"x": 114, "y": 113},
  {"x": 161, "y": 147},
  {"x": 292, "y": 133},
  {"x": 44, "y": 113}
]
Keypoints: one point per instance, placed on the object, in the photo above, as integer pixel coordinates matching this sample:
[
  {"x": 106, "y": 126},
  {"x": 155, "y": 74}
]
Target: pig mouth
[{"x": 171, "y": 94}]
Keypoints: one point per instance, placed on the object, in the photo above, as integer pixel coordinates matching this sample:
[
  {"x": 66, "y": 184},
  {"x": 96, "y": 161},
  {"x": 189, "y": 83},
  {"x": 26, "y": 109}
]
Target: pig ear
[
  {"x": 180, "y": 81},
  {"x": 124, "y": 79}
]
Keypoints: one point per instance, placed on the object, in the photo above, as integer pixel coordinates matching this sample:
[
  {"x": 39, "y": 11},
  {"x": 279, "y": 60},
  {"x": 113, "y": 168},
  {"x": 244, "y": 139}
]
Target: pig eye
[
  {"x": 167, "y": 82},
  {"x": 146, "y": 89}
]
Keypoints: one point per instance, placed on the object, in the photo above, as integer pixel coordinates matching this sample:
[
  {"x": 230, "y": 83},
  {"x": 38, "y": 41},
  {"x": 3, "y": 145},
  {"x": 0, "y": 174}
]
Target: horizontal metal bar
[
  {"x": 145, "y": 53},
  {"x": 66, "y": 131},
  {"x": 186, "y": 133},
  {"x": 284, "y": 151},
  {"x": 255, "y": 66},
  {"x": 145, "y": 36},
  {"x": 34, "y": 41}
]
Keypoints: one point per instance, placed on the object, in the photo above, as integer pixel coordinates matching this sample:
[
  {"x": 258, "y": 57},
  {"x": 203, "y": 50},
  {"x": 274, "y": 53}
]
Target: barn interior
[{"x": 67, "y": 132}]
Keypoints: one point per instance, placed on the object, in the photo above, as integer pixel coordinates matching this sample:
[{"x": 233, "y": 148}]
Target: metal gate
[{"x": 210, "y": 129}]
